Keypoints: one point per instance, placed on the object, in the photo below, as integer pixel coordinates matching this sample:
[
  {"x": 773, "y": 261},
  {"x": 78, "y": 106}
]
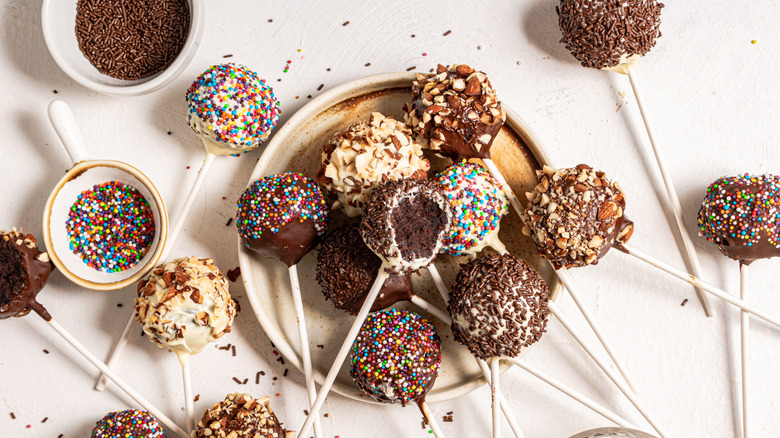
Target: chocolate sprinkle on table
[
  {"x": 320, "y": 87},
  {"x": 228, "y": 56},
  {"x": 45, "y": 419},
  {"x": 13, "y": 416},
  {"x": 229, "y": 221},
  {"x": 45, "y": 351},
  {"x": 345, "y": 23},
  {"x": 257, "y": 378},
  {"x": 685, "y": 301},
  {"x": 411, "y": 68},
  {"x": 235, "y": 379},
  {"x": 234, "y": 350},
  {"x": 447, "y": 33},
  {"x": 285, "y": 372},
  {"x": 368, "y": 64}
]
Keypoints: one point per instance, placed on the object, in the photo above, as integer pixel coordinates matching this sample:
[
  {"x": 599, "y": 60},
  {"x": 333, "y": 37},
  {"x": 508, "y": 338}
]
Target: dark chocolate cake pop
[
  {"x": 575, "y": 215},
  {"x": 405, "y": 223},
  {"x": 741, "y": 216},
  {"x": 346, "y": 269},
  {"x": 282, "y": 216},
  {"x": 24, "y": 271},
  {"x": 240, "y": 416},
  {"x": 498, "y": 306},
  {"x": 456, "y": 110},
  {"x": 607, "y": 33},
  {"x": 395, "y": 357},
  {"x": 128, "y": 423}
]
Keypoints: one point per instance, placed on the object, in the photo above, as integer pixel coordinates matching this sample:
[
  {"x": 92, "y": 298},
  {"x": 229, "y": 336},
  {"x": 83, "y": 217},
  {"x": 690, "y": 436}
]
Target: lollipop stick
[
  {"x": 604, "y": 367},
  {"x": 495, "y": 401},
  {"x": 510, "y": 417},
  {"x": 305, "y": 351},
  {"x": 118, "y": 381},
  {"x": 720, "y": 293},
  {"x": 189, "y": 399},
  {"x": 343, "y": 352},
  {"x": 431, "y": 420},
  {"x": 744, "y": 326},
  {"x": 688, "y": 251},
  {"x": 118, "y": 347},
  {"x": 437, "y": 280},
  {"x": 491, "y": 166},
  {"x": 430, "y": 308}
]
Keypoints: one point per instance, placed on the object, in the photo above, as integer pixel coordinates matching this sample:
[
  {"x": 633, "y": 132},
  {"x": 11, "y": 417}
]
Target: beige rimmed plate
[{"x": 297, "y": 147}]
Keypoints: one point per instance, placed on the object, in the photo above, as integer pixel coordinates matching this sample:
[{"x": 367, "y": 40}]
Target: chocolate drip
[
  {"x": 20, "y": 258},
  {"x": 290, "y": 244}
]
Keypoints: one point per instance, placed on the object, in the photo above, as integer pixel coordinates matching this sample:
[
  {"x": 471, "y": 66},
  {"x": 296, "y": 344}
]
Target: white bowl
[{"x": 58, "y": 20}]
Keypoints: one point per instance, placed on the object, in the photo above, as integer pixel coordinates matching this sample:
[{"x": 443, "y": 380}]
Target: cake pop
[
  {"x": 396, "y": 357},
  {"x": 128, "y": 423},
  {"x": 24, "y": 270},
  {"x": 478, "y": 204},
  {"x": 346, "y": 268},
  {"x": 365, "y": 155},
  {"x": 241, "y": 416}
]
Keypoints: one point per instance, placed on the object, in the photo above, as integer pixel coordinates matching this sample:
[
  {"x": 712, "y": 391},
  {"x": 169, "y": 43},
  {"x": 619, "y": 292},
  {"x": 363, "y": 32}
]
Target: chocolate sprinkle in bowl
[{"x": 143, "y": 47}]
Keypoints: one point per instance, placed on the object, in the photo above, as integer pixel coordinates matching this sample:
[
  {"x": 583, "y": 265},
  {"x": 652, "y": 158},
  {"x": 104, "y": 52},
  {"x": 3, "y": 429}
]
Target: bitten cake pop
[
  {"x": 741, "y": 216},
  {"x": 478, "y": 204},
  {"x": 498, "y": 306},
  {"x": 241, "y": 416},
  {"x": 231, "y": 107},
  {"x": 24, "y": 270},
  {"x": 128, "y": 423},
  {"x": 396, "y": 357},
  {"x": 346, "y": 269},
  {"x": 575, "y": 215},
  {"x": 609, "y": 34},
  {"x": 456, "y": 111},
  {"x": 282, "y": 216},
  {"x": 365, "y": 155}
]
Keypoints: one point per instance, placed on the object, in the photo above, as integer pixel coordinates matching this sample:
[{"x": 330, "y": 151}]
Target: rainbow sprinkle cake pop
[
  {"x": 396, "y": 357},
  {"x": 282, "y": 216},
  {"x": 741, "y": 216},
  {"x": 129, "y": 423},
  {"x": 478, "y": 203},
  {"x": 232, "y": 109}
]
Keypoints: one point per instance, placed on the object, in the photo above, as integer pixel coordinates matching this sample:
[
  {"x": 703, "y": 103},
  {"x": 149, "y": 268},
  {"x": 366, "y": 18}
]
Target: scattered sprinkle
[
  {"x": 188, "y": 167},
  {"x": 425, "y": 53},
  {"x": 320, "y": 87},
  {"x": 320, "y": 346},
  {"x": 229, "y": 221},
  {"x": 45, "y": 351},
  {"x": 244, "y": 382},
  {"x": 447, "y": 33},
  {"x": 345, "y": 23},
  {"x": 230, "y": 55},
  {"x": 235, "y": 379},
  {"x": 257, "y": 378},
  {"x": 411, "y": 68},
  {"x": 270, "y": 20},
  {"x": 233, "y": 348},
  {"x": 327, "y": 69},
  {"x": 119, "y": 304},
  {"x": 197, "y": 397},
  {"x": 479, "y": 47},
  {"x": 55, "y": 91},
  {"x": 308, "y": 97},
  {"x": 169, "y": 132},
  {"x": 368, "y": 64},
  {"x": 285, "y": 372},
  {"x": 413, "y": 35},
  {"x": 752, "y": 42},
  {"x": 685, "y": 301},
  {"x": 13, "y": 416}
]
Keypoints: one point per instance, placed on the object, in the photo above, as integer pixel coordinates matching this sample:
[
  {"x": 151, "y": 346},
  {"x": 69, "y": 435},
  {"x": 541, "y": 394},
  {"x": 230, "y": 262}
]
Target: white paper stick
[
  {"x": 118, "y": 381},
  {"x": 118, "y": 347},
  {"x": 505, "y": 408},
  {"x": 491, "y": 166},
  {"x": 431, "y": 421},
  {"x": 343, "y": 352},
  {"x": 720, "y": 293},
  {"x": 430, "y": 308},
  {"x": 495, "y": 401},
  {"x": 564, "y": 320},
  {"x": 305, "y": 350},
  {"x": 64, "y": 123},
  {"x": 678, "y": 227},
  {"x": 189, "y": 398},
  {"x": 744, "y": 326},
  {"x": 437, "y": 280}
]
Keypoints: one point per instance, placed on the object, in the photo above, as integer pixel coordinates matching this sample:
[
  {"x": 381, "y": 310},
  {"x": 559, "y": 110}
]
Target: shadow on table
[{"x": 540, "y": 26}]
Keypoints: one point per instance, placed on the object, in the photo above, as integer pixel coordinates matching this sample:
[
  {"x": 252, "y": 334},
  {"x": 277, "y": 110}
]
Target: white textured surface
[{"x": 714, "y": 99}]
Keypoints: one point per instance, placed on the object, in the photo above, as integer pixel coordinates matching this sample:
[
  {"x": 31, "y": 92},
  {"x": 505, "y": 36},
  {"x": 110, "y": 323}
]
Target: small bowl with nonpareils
[{"x": 123, "y": 48}]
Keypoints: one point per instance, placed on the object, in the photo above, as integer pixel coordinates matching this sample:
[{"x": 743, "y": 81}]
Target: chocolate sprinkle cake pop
[
  {"x": 240, "y": 416},
  {"x": 405, "y": 223},
  {"x": 741, "y": 216},
  {"x": 456, "y": 111},
  {"x": 282, "y": 216},
  {"x": 365, "y": 155},
  {"x": 607, "y": 33},
  {"x": 575, "y": 215},
  {"x": 395, "y": 357},
  {"x": 129, "y": 423},
  {"x": 498, "y": 306},
  {"x": 346, "y": 269},
  {"x": 478, "y": 204},
  {"x": 24, "y": 270}
]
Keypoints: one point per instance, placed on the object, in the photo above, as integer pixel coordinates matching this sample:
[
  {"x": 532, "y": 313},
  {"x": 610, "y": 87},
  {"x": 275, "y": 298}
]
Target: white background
[{"x": 713, "y": 97}]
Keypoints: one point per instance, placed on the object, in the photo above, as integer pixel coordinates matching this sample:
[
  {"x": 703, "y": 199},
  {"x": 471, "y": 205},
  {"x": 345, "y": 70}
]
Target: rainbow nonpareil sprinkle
[
  {"x": 110, "y": 226},
  {"x": 128, "y": 424}
]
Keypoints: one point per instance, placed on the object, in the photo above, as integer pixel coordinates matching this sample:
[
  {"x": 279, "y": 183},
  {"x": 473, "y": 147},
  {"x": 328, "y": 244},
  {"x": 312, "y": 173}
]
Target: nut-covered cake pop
[
  {"x": 741, "y": 216},
  {"x": 128, "y": 423},
  {"x": 575, "y": 215},
  {"x": 185, "y": 304},
  {"x": 346, "y": 269},
  {"x": 609, "y": 34},
  {"x": 282, "y": 216},
  {"x": 395, "y": 357},
  {"x": 456, "y": 110},
  {"x": 478, "y": 203},
  {"x": 24, "y": 270},
  {"x": 405, "y": 223},
  {"x": 365, "y": 155},
  {"x": 231, "y": 107},
  {"x": 241, "y": 416},
  {"x": 498, "y": 306}
]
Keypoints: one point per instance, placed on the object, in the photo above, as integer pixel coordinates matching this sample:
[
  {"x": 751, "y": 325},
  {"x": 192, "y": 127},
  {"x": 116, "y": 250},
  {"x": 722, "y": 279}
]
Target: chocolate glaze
[
  {"x": 20, "y": 292},
  {"x": 290, "y": 244}
]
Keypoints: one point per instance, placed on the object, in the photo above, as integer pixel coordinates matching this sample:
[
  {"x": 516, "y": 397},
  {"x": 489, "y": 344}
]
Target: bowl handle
[{"x": 64, "y": 123}]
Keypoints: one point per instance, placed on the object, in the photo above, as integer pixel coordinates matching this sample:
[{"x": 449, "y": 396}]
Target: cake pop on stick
[
  {"x": 283, "y": 217},
  {"x": 241, "y": 416},
  {"x": 183, "y": 306},
  {"x": 404, "y": 223},
  {"x": 741, "y": 216},
  {"x": 614, "y": 35},
  {"x": 24, "y": 270},
  {"x": 233, "y": 111}
]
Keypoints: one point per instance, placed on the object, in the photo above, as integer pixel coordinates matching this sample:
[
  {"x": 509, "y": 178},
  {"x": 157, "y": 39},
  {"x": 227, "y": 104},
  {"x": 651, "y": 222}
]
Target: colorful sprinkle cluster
[
  {"x": 128, "y": 424},
  {"x": 234, "y": 106},
  {"x": 741, "y": 216},
  {"x": 273, "y": 201},
  {"x": 396, "y": 356},
  {"x": 110, "y": 226},
  {"x": 478, "y": 203}
]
